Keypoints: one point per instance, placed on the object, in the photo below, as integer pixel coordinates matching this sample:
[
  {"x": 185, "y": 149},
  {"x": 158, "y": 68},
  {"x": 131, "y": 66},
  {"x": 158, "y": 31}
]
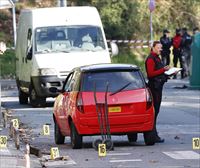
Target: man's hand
[{"x": 166, "y": 68}]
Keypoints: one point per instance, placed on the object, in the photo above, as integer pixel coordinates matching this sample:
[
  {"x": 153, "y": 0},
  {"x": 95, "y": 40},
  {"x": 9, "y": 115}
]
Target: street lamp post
[
  {"x": 62, "y": 3},
  {"x": 151, "y": 8}
]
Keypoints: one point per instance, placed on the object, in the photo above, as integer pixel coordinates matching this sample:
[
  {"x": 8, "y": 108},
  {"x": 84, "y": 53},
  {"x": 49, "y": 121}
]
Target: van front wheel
[
  {"x": 23, "y": 97},
  {"x": 36, "y": 101}
]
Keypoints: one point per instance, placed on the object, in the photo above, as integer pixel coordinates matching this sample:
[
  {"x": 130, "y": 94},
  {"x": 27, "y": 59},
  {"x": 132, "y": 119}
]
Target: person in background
[
  {"x": 176, "y": 43},
  {"x": 195, "y": 31},
  {"x": 166, "y": 44},
  {"x": 155, "y": 73},
  {"x": 186, "y": 42}
]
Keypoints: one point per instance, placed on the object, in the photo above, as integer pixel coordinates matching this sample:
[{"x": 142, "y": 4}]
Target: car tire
[
  {"x": 36, "y": 101},
  {"x": 149, "y": 138},
  {"x": 58, "y": 137},
  {"x": 76, "y": 139},
  {"x": 132, "y": 137},
  {"x": 23, "y": 97}
]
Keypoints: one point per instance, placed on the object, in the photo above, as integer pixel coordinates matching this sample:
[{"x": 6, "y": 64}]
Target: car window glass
[
  {"x": 67, "y": 86},
  {"x": 115, "y": 80}
]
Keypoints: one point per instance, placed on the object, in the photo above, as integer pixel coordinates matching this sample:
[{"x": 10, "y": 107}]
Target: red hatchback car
[{"x": 129, "y": 101}]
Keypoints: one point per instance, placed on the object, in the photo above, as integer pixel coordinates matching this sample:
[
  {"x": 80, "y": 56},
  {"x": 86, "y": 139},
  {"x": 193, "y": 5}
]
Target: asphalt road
[{"x": 178, "y": 123}]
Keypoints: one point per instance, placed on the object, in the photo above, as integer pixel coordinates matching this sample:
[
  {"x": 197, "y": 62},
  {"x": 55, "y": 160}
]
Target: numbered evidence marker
[
  {"x": 46, "y": 130},
  {"x": 196, "y": 143},
  {"x": 54, "y": 153},
  {"x": 3, "y": 141},
  {"x": 15, "y": 123},
  {"x": 102, "y": 149}
]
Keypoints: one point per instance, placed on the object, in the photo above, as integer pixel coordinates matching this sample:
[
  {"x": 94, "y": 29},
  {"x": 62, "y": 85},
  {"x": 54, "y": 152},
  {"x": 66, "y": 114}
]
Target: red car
[{"x": 129, "y": 102}]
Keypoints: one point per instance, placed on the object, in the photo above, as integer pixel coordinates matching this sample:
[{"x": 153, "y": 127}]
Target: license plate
[{"x": 114, "y": 109}]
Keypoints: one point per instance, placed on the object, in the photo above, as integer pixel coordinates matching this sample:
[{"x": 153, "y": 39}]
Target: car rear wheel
[
  {"x": 58, "y": 137},
  {"x": 132, "y": 137},
  {"x": 36, "y": 101},
  {"x": 23, "y": 97},
  {"x": 76, "y": 139},
  {"x": 149, "y": 138}
]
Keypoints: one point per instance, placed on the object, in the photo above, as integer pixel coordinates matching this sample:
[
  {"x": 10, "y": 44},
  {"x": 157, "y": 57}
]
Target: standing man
[
  {"x": 176, "y": 43},
  {"x": 166, "y": 44},
  {"x": 186, "y": 52},
  {"x": 155, "y": 73}
]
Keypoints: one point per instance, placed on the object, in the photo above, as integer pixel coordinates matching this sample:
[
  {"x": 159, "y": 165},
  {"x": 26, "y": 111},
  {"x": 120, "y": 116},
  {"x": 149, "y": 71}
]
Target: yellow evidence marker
[
  {"x": 54, "y": 153},
  {"x": 3, "y": 141},
  {"x": 196, "y": 143},
  {"x": 102, "y": 150},
  {"x": 46, "y": 130},
  {"x": 15, "y": 123}
]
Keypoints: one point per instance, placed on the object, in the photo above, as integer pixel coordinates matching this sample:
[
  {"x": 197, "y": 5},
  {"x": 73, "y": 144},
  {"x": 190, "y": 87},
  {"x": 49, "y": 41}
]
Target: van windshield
[
  {"x": 68, "y": 39},
  {"x": 116, "y": 80}
]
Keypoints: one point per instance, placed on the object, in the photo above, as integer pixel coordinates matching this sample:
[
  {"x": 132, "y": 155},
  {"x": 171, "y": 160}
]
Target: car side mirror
[{"x": 114, "y": 49}]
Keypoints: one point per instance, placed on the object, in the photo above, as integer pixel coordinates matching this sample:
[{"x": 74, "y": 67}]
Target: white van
[{"x": 52, "y": 41}]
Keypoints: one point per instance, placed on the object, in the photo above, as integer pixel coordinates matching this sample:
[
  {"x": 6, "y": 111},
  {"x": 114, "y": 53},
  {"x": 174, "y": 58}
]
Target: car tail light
[
  {"x": 79, "y": 102},
  {"x": 149, "y": 98}
]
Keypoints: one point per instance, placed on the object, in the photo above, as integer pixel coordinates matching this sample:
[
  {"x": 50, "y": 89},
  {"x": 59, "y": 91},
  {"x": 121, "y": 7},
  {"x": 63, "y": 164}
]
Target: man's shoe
[{"x": 159, "y": 140}]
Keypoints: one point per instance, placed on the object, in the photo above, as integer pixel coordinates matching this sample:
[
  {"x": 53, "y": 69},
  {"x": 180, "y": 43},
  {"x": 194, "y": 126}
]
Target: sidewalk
[{"x": 10, "y": 157}]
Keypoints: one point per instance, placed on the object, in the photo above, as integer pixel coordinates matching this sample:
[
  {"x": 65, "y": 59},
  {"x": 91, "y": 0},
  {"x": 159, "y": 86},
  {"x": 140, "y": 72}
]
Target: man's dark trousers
[{"x": 157, "y": 98}]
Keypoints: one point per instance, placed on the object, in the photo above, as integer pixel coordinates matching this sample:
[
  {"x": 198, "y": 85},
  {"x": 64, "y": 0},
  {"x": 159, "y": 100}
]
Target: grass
[
  {"x": 7, "y": 64},
  {"x": 131, "y": 57}
]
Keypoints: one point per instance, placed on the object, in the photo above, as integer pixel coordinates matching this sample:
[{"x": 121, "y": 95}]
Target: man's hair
[{"x": 155, "y": 43}]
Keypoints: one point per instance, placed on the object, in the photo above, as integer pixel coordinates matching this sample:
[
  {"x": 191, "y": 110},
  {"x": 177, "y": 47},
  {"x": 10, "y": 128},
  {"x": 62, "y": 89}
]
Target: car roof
[{"x": 107, "y": 67}]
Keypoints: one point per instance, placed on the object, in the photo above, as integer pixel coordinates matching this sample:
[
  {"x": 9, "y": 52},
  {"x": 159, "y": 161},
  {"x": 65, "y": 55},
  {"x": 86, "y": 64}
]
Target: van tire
[
  {"x": 149, "y": 138},
  {"x": 58, "y": 137},
  {"x": 36, "y": 101},
  {"x": 76, "y": 139},
  {"x": 23, "y": 97}
]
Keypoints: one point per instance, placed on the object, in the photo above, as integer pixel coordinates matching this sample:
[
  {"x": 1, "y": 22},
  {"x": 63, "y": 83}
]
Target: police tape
[
  {"x": 133, "y": 43},
  {"x": 129, "y": 41}
]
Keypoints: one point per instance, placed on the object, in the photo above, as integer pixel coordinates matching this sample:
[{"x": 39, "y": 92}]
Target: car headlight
[{"x": 47, "y": 71}]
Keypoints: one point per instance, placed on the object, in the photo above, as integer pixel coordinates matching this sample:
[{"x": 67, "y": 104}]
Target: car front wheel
[
  {"x": 76, "y": 139},
  {"x": 58, "y": 137}
]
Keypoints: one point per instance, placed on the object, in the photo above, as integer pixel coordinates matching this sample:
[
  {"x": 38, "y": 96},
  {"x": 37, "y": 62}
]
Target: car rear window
[{"x": 115, "y": 80}]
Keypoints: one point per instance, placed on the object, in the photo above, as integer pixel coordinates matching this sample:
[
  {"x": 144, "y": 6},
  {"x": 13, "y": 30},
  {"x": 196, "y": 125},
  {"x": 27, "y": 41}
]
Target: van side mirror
[
  {"x": 54, "y": 90},
  {"x": 29, "y": 54},
  {"x": 114, "y": 49}
]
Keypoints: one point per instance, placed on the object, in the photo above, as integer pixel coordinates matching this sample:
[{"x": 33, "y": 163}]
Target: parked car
[{"x": 130, "y": 108}]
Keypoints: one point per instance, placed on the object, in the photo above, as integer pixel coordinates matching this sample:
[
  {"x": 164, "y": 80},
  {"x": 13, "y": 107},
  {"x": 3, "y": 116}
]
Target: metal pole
[
  {"x": 14, "y": 26},
  {"x": 151, "y": 28},
  {"x": 62, "y": 3},
  {"x": 14, "y": 22}
]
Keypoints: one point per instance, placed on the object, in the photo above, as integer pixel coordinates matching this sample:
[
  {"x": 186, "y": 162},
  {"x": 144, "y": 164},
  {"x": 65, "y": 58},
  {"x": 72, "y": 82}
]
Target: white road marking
[
  {"x": 118, "y": 154},
  {"x": 128, "y": 160},
  {"x": 172, "y": 166},
  {"x": 183, "y": 155},
  {"x": 4, "y": 151}
]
